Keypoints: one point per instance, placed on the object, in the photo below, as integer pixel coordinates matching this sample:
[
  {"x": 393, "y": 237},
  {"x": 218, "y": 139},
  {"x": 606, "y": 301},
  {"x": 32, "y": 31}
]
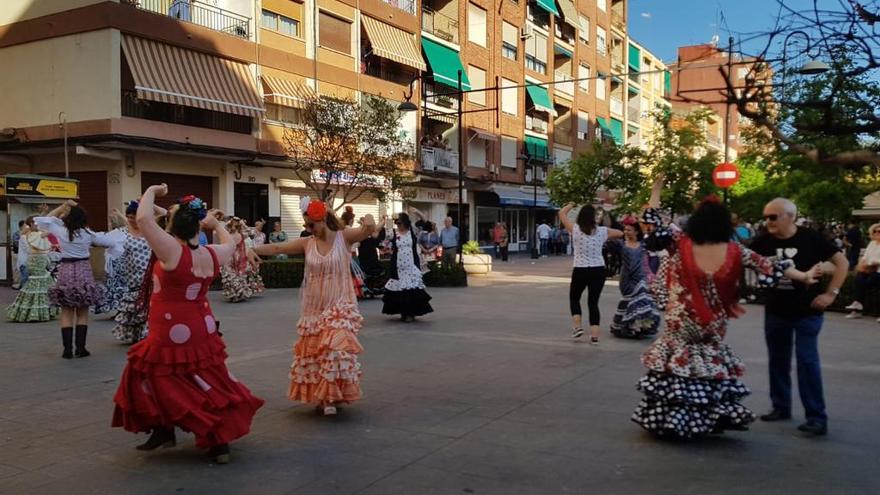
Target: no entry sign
[{"x": 725, "y": 175}]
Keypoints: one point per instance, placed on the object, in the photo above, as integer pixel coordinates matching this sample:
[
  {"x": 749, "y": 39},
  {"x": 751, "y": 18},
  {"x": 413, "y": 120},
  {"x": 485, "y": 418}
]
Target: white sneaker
[
  {"x": 855, "y": 306},
  {"x": 853, "y": 315},
  {"x": 329, "y": 411}
]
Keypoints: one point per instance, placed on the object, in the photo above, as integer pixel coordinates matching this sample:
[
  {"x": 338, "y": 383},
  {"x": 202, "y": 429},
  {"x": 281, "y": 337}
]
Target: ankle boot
[
  {"x": 220, "y": 453},
  {"x": 161, "y": 437},
  {"x": 81, "y": 332},
  {"x": 67, "y": 340}
]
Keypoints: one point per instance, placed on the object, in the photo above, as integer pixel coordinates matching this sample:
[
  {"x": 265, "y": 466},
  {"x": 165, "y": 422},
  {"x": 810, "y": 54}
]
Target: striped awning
[
  {"x": 569, "y": 13},
  {"x": 393, "y": 43},
  {"x": 285, "y": 92},
  {"x": 485, "y": 135},
  {"x": 178, "y": 76}
]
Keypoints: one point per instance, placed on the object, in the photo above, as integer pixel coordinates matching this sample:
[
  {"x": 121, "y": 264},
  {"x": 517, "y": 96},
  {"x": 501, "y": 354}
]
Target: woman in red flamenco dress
[{"x": 177, "y": 377}]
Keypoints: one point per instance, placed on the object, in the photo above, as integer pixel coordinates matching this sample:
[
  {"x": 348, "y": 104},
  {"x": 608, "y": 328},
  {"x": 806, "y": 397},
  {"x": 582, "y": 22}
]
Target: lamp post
[
  {"x": 811, "y": 68},
  {"x": 533, "y": 241}
]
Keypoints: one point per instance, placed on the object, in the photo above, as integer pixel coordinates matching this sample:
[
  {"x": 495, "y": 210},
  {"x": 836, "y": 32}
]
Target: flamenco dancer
[
  {"x": 131, "y": 319},
  {"x": 75, "y": 289},
  {"x": 177, "y": 377},
  {"x": 238, "y": 282},
  {"x": 32, "y": 301},
  {"x": 693, "y": 385},
  {"x": 637, "y": 315},
  {"x": 325, "y": 370},
  {"x": 405, "y": 291}
]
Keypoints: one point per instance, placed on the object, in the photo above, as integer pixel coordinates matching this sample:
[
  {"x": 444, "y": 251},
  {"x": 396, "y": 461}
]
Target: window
[
  {"x": 477, "y": 77},
  {"x": 536, "y": 53},
  {"x": 602, "y": 5},
  {"x": 510, "y": 37},
  {"x": 334, "y": 33},
  {"x": 281, "y": 113},
  {"x": 476, "y": 153},
  {"x": 476, "y": 27},
  {"x": 601, "y": 43},
  {"x": 584, "y": 72},
  {"x": 583, "y": 128},
  {"x": 508, "y": 152},
  {"x": 509, "y": 97},
  {"x": 600, "y": 87},
  {"x": 282, "y": 24},
  {"x": 584, "y": 31}
]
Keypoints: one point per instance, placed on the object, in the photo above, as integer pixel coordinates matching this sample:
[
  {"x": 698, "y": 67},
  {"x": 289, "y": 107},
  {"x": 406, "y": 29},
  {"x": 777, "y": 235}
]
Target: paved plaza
[{"x": 486, "y": 396}]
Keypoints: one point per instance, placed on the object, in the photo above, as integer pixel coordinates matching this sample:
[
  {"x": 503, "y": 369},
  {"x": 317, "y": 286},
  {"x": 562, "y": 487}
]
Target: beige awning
[
  {"x": 286, "y": 92},
  {"x": 569, "y": 13},
  {"x": 393, "y": 43},
  {"x": 485, "y": 135},
  {"x": 169, "y": 74}
]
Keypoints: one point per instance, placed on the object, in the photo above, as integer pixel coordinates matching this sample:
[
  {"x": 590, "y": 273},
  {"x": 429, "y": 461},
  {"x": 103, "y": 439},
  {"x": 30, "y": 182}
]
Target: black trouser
[
  {"x": 863, "y": 282},
  {"x": 504, "y": 252},
  {"x": 592, "y": 279}
]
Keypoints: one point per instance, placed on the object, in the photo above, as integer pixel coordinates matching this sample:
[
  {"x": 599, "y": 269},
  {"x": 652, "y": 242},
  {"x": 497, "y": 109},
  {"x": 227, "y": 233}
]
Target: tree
[
  {"x": 344, "y": 149},
  {"x": 606, "y": 166}
]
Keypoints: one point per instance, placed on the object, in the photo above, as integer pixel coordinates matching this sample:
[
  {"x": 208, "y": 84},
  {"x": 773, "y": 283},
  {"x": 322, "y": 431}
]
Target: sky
[{"x": 663, "y": 25}]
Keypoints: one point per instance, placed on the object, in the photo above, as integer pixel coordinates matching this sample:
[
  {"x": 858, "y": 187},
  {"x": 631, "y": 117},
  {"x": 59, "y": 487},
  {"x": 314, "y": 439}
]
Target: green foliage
[
  {"x": 284, "y": 274},
  {"x": 445, "y": 276},
  {"x": 605, "y": 166},
  {"x": 471, "y": 247}
]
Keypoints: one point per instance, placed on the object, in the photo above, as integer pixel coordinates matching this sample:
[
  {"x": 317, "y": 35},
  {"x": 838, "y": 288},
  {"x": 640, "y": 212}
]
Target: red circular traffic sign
[{"x": 725, "y": 175}]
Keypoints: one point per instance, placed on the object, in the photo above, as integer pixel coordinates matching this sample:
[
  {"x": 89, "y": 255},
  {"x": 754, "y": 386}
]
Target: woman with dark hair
[
  {"x": 357, "y": 275},
  {"x": 405, "y": 293},
  {"x": 75, "y": 290},
  {"x": 637, "y": 315},
  {"x": 325, "y": 369},
  {"x": 693, "y": 385},
  {"x": 131, "y": 320},
  {"x": 588, "y": 273},
  {"x": 177, "y": 377}
]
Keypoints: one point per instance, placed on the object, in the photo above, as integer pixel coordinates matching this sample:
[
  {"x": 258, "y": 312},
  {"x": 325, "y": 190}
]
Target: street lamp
[
  {"x": 811, "y": 68},
  {"x": 524, "y": 156}
]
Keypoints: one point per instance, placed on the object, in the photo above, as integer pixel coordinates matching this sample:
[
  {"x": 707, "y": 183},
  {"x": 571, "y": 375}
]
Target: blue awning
[
  {"x": 561, "y": 50},
  {"x": 514, "y": 196}
]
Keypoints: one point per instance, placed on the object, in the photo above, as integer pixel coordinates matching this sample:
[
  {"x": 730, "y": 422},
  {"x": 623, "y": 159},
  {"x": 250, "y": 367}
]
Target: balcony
[
  {"x": 564, "y": 87},
  {"x": 408, "y": 6},
  {"x": 200, "y": 13},
  {"x": 634, "y": 112},
  {"x": 617, "y": 60},
  {"x": 618, "y": 21},
  {"x": 616, "y": 106},
  {"x": 440, "y": 25},
  {"x": 541, "y": 175},
  {"x": 536, "y": 124},
  {"x": 561, "y": 135},
  {"x": 445, "y": 99},
  {"x": 439, "y": 160},
  {"x": 182, "y": 115}
]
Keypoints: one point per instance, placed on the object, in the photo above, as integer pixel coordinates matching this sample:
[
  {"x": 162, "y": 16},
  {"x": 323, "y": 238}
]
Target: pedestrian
[
  {"x": 177, "y": 376},
  {"x": 543, "y": 234},
  {"x": 405, "y": 293},
  {"x": 17, "y": 273},
  {"x": 564, "y": 240},
  {"x": 449, "y": 239},
  {"x": 741, "y": 231},
  {"x": 32, "y": 302},
  {"x": 131, "y": 317},
  {"x": 429, "y": 244},
  {"x": 75, "y": 289},
  {"x": 325, "y": 370},
  {"x": 852, "y": 240},
  {"x": 554, "y": 239},
  {"x": 497, "y": 235},
  {"x": 368, "y": 257},
  {"x": 589, "y": 266},
  {"x": 637, "y": 315},
  {"x": 237, "y": 286},
  {"x": 866, "y": 273},
  {"x": 504, "y": 241},
  {"x": 692, "y": 386},
  {"x": 279, "y": 236},
  {"x": 793, "y": 314},
  {"x": 357, "y": 274}
]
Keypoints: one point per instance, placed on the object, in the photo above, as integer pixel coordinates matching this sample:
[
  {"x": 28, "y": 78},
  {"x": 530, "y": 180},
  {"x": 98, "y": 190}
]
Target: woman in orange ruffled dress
[{"x": 325, "y": 369}]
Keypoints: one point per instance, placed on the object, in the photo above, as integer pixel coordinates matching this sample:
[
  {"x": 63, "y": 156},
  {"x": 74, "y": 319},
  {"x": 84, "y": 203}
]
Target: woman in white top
[
  {"x": 587, "y": 240},
  {"x": 32, "y": 302},
  {"x": 867, "y": 275},
  {"x": 76, "y": 289}
]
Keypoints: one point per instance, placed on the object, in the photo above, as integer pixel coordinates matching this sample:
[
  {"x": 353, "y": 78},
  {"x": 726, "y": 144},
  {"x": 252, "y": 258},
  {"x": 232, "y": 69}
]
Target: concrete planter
[{"x": 477, "y": 264}]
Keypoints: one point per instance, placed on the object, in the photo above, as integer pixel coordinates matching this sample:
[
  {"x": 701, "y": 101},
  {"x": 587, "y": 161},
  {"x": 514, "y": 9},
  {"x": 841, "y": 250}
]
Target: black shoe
[
  {"x": 67, "y": 341},
  {"x": 814, "y": 428},
  {"x": 220, "y": 454},
  {"x": 775, "y": 415},
  {"x": 80, "y": 339},
  {"x": 161, "y": 437}
]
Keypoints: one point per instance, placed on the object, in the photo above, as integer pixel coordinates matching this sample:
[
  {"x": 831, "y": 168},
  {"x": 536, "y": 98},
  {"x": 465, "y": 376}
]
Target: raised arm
[
  {"x": 226, "y": 245},
  {"x": 563, "y": 217},
  {"x": 290, "y": 248},
  {"x": 62, "y": 209},
  {"x": 162, "y": 243},
  {"x": 357, "y": 234},
  {"x": 656, "y": 190},
  {"x": 615, "y": 234}
]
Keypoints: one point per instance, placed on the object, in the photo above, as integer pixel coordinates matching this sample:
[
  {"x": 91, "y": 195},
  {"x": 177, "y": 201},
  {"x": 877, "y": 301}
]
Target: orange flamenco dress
[
  {"x": 178, "y": 375},
  {"x": 325, "y": 368}
]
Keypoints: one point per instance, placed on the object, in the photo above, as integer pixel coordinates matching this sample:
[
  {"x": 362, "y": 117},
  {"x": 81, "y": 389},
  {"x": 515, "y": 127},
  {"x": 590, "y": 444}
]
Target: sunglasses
[{"x": 772, "y": 217}]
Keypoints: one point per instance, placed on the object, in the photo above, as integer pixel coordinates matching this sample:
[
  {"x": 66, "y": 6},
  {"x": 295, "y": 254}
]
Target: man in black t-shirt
[{"x": 793, "y": 313}]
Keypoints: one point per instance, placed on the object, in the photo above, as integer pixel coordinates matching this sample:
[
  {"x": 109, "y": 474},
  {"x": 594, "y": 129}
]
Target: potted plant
[{"x": 473, "y": 259}]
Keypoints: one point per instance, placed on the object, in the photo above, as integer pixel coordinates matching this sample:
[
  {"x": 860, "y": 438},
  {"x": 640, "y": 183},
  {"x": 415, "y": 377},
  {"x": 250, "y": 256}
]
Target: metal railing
[
  {"x": 564, "y": 87},
  {"x": 440, "y": 25},
  {"x": 183, "y": 115},
  {"x": 408, "y": 6},
  {"x": 445, "y": 100},
  {"x": 199, "y": 13},
  {"x": 616, "y": 106},
  {"x": 536, "y": 124},
  {"x": 618, "y": 20},
  {"x": 439, "y": 160}
]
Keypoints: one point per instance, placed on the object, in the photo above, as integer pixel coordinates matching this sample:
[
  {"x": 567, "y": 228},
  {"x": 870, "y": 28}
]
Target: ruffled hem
[
  {"x": 210, "y": 403},
  {"x": 114, "y": 291},
  {"x": 410, "y": 302},
  {"x": 340, "y": 317},
  {"x": 151, "y": 358},
  {"x": 635, "y": 317},
  {"x": 77, "y": 296},
  {"x": 236, "y": 287},
  {"x": 131, "y": 324},
  {"x": 686, "y": 408},
  {"x": 31, "y": 309},
  {"x": 255, "y": 282},
  {"x": 712, "y": 360}
]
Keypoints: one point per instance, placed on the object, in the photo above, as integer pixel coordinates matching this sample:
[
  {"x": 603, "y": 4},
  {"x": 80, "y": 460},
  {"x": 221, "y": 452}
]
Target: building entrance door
[{"x": 251, "y": 201}]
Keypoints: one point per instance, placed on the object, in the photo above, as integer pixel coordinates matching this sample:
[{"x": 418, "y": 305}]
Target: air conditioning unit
[{"x": 525, "y": 32}]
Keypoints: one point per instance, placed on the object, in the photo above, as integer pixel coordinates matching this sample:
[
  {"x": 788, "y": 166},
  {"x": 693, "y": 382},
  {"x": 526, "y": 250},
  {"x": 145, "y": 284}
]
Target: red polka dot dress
[{"x": 178, "y": 376}]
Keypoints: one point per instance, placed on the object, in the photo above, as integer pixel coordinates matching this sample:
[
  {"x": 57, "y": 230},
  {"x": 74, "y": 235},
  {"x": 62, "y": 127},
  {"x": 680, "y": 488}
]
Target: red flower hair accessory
[{"x": 316, "y": 211}]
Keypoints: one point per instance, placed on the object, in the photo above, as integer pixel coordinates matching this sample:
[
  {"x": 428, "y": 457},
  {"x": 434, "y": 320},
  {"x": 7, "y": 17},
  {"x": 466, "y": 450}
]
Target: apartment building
[{"x": 119, "y": 94}]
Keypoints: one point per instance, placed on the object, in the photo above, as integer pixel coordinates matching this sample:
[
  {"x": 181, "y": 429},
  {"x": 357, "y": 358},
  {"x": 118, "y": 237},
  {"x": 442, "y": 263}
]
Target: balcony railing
[
  {"x": 536, "y": 124},
  {"x": 439, "y": 160},
  {"x": 564, "y": 87},
  {"x": 618, "y": 20},
  {"x": 440, "y": 25},
  {"x": 616, "y": 106},
  {"x": 200, "y": 13},
  {"x": 616, "y": 58},
  {"x": 408, "y": 6},
  {"x": 633, "y": 113},
  {"x": 183, "y": 115},
  {"x": 445, "y": 100}
]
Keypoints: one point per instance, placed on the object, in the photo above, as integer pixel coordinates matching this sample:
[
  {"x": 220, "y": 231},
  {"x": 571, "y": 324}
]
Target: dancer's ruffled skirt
[
  {"x": 76, "y": 286},
  {"x": 236, "y": 286},
  {"x": 131, "y": 322},
  {"x": 410, "y": 302},
  {"x": 637, "y": 315},
  {"x": 115, "y": 289},
  {"x": 325, "y": 366},
  {"x": 32, "y": 301}
]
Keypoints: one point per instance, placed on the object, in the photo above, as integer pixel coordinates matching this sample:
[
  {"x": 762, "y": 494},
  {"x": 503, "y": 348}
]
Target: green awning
[
  {"x": 617, "y": 131},
  {"x": 561, "y": 50},
  {"x": 445, "y": 65},
  {"x": 536, "y": 148},
  {"x": 667, "y": 83},
  {"x": 604, "y": 127},
  {"x": 634, "y": 90},
  {"x": 540, "y": 98},
  {"x": 635, "y": 58},
  {"x": 549, "y": 6}
]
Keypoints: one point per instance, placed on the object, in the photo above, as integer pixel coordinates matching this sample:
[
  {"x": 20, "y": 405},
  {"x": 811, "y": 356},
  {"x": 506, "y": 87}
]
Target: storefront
[
  {"x": 436, "y": 204},
  {"x": 292, "y": 192},
  {"x": 21, "y": 196},
  {"x": 514, "y": 206}
]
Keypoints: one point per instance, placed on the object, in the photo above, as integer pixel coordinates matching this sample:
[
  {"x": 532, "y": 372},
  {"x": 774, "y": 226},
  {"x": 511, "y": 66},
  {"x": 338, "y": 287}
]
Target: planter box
[{"x": 477, "y": 264}]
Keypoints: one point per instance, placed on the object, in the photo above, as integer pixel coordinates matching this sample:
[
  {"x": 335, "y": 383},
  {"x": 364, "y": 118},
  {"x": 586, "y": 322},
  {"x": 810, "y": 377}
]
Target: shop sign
[
  {"x": 41, "y": 187},
  {"x": 427, "y": 195}
]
